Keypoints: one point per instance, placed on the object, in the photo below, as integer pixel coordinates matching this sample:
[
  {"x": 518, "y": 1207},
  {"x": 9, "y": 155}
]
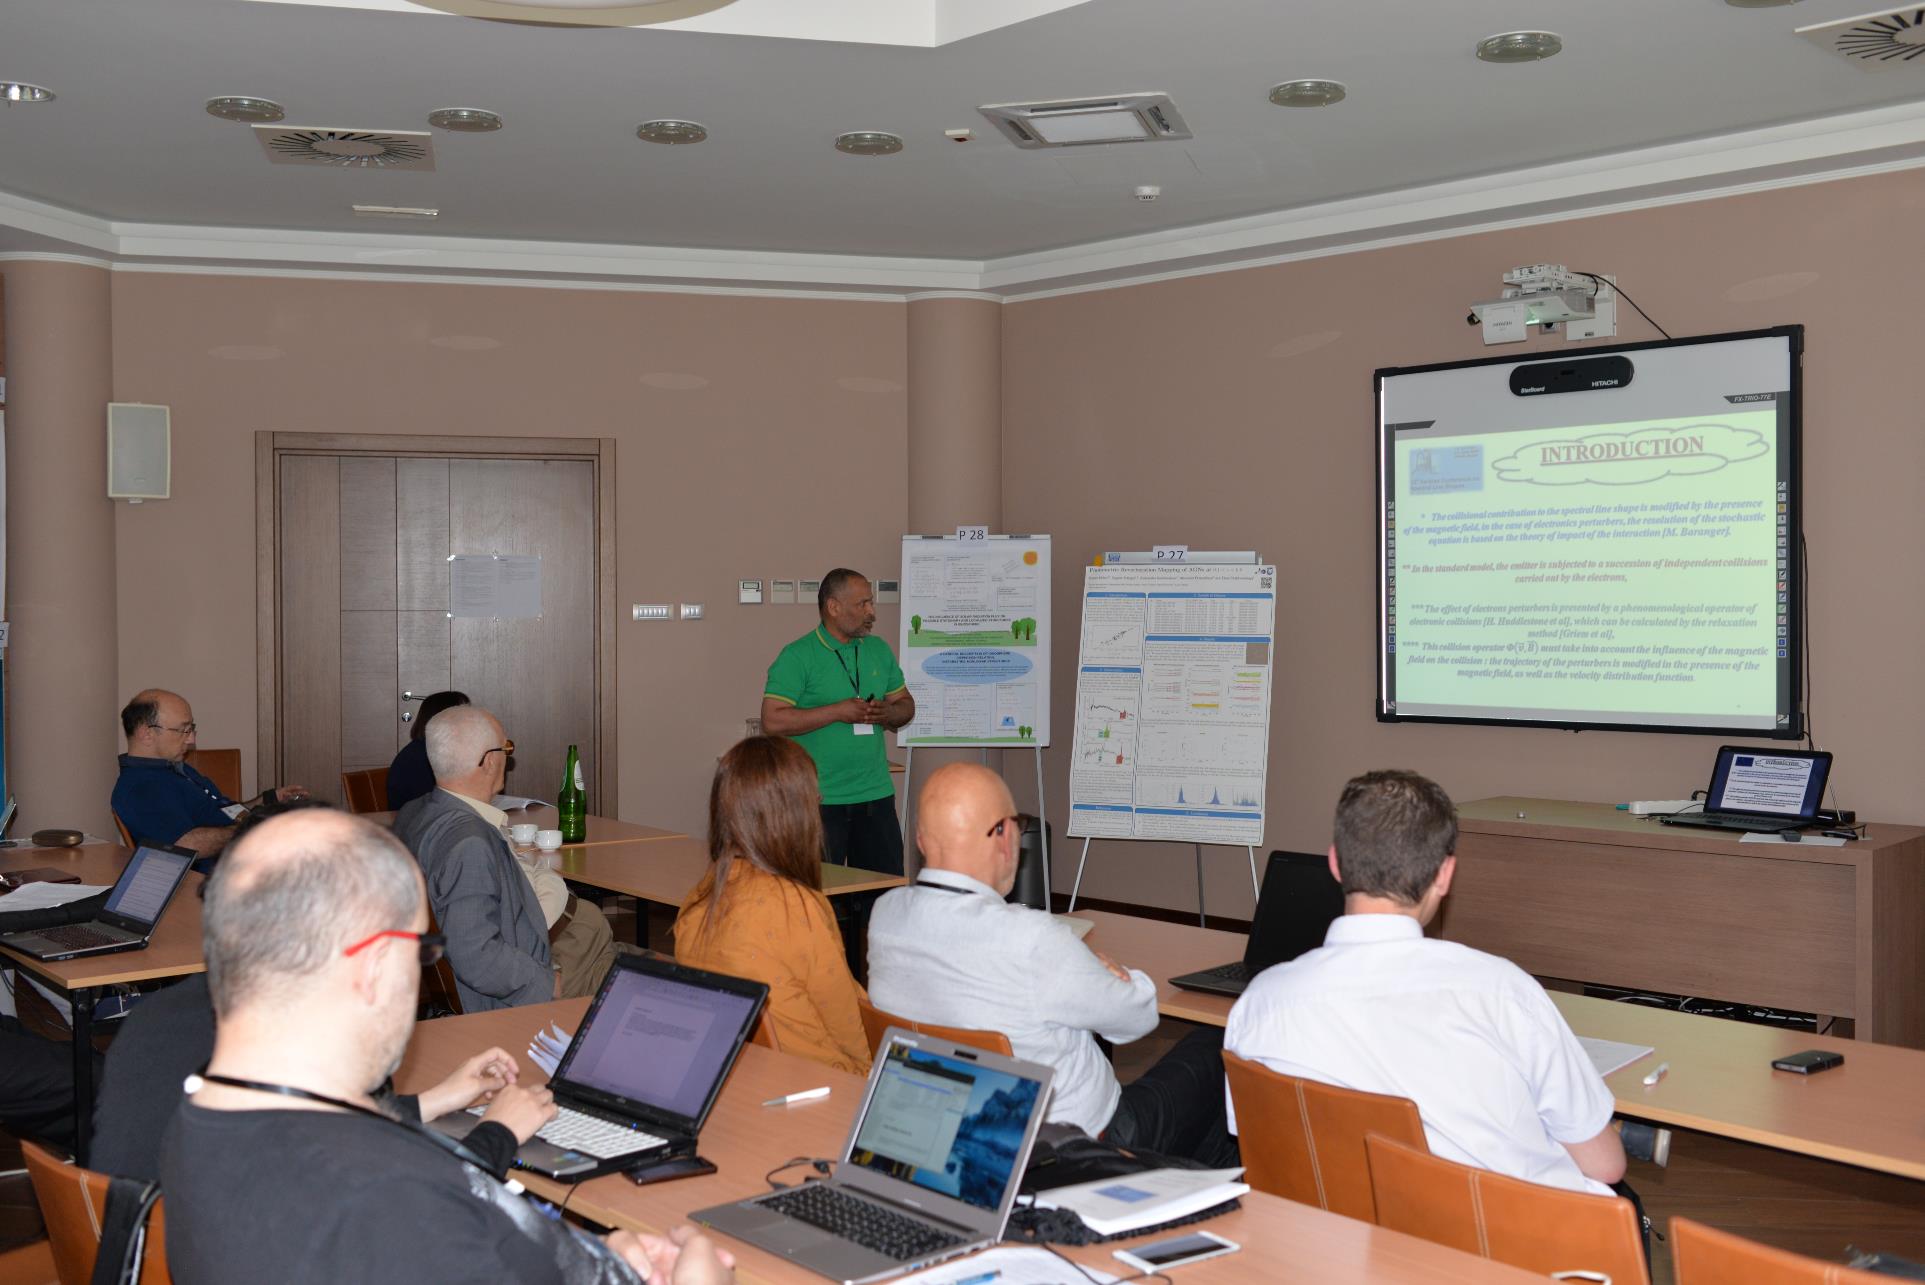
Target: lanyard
[
  {"x": 855, "y": 673},
  {"x": 454, "y": 1146},
  {"x": 941, "y": 887}
]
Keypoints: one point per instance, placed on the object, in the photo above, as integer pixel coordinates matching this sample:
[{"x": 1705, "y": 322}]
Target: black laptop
[
  {"x": 1761, "y": 791},
  {"x": 643, "y": 1071},
  {"x": 1294, "y": 911},
  {"x": 138, "y": 900}
]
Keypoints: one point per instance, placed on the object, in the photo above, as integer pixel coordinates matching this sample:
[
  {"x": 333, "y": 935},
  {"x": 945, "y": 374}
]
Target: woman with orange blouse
[{"x": 760, "y": 913}]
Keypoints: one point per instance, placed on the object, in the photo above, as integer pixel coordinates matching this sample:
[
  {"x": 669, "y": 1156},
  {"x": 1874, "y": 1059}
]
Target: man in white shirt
[
  {"x": 1472, "y": 1039},
  {"x": 949, "y": 949}
]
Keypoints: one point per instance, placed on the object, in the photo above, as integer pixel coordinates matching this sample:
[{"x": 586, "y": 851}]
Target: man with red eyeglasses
[{"x": 281, "y": 1165}]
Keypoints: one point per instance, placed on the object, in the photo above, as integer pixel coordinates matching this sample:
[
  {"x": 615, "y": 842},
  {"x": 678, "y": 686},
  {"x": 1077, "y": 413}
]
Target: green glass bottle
[{"x": 573, "y": 800}]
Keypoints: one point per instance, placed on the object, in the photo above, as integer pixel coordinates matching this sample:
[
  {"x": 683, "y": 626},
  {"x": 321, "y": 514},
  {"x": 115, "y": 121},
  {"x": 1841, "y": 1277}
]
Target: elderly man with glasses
[
  {"x": 159, "y": 798},
  {"x": 951, "y": 950},
  {"x": 516, "y": 935}
]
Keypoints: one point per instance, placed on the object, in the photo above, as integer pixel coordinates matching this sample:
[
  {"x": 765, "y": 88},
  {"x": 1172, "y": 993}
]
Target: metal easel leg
[
  {"x": 1078, "y": 885},
  {"x": 911, "y": 859},
  {"x": 1042, "y": 817},
  {"x": 1202, "y": 920},
  {"x": 1256, "y": 889}
]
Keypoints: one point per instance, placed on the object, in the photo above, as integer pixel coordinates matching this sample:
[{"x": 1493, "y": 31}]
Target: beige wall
[
  {"x": 1234, "y": 411},
  {"x": 757, "y": 438}
]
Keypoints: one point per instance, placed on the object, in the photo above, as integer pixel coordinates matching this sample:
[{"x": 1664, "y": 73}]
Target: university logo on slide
[{"x": 1633, "y": 458}]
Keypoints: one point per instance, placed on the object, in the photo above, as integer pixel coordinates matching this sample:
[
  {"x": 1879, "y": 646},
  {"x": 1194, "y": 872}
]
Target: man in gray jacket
[{"x": 484, "y": 904}]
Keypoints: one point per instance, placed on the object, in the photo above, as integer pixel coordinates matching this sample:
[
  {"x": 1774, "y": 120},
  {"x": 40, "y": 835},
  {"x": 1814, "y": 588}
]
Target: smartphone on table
[{"x": 1177, "y": 1251}]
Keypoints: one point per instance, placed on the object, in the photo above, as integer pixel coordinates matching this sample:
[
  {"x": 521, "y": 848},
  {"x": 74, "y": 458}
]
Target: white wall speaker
[{"x": 139, "y": 451}]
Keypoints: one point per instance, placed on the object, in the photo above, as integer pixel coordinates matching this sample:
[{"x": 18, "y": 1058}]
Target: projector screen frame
[{"x": 1791, "y": 443}]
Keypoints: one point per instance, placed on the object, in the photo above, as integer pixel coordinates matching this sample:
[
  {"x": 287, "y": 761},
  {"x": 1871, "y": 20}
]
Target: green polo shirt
[{"x": 816, "y": 670}]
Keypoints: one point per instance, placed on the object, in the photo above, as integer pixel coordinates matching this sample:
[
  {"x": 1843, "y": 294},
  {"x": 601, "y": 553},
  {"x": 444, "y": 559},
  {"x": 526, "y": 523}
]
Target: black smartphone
[
  {"x": 669, "y": 1170},
  {"x": 1810, "y": 1062}
]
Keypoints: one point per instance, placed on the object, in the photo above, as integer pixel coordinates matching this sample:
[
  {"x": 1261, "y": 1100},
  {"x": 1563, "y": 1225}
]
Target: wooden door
[{"x": 362, "y": 551}]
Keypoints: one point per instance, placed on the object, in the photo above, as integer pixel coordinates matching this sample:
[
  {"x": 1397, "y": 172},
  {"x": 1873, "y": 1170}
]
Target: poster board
[
  {"x": 1173, "y": 703},
  {"x": 975, "y": 640}
]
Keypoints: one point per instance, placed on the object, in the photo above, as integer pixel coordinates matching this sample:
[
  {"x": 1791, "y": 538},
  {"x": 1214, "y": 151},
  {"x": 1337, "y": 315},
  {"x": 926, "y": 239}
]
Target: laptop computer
[
  {"x": 642, "y": 1074},
  {"x": 1762, "y": 791},
  {"x": 1294, "y": 911},
  {"x": 930, "y": 1169},
  {"x": 139, "y": 898}
]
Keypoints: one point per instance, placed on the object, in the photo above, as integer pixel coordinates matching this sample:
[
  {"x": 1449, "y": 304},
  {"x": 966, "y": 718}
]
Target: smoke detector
[
  {"x": 371, "y": 149},
  {"x": 1874, "y": 41},
  {"x": 1081, "y": 122}
]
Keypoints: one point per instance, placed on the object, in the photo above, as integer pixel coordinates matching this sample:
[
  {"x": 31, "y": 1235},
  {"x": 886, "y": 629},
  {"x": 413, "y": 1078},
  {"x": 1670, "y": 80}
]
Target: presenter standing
[{"x": 835, "y": 690}]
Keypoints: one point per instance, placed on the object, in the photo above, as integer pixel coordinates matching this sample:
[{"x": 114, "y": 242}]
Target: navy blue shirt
[
  {"x": 409, "y": 776},
  {"x": 160, "y": 800}
]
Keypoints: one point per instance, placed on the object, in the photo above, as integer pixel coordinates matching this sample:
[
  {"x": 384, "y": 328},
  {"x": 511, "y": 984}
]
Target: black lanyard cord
[{"x": 193, "y": 1084}]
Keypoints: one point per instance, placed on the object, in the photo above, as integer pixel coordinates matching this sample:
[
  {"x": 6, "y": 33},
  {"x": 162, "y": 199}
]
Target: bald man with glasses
[
  {"x": 516, "y": 935},
  {"x": 950, "y": 949}
]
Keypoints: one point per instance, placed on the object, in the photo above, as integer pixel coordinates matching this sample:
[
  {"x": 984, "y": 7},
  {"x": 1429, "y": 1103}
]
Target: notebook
[
  {"x": 930, "y": 1169},
  {"x": 1761, "y": 790},
  {"x": 1294, "y": 911},
  {"x": 642, "y": 1074},
  {"x": 138, "y": 900}
]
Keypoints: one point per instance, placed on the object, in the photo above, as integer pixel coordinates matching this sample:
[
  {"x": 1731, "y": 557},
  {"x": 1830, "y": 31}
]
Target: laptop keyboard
[
  {"x": 869, "y": 1225},
  {"x": 1231, "y": 972},
  {"x": 78, "y": 936}
]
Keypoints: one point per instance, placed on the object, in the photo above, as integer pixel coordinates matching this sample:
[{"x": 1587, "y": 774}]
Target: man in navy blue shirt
[{"x": 158, "y": 797}]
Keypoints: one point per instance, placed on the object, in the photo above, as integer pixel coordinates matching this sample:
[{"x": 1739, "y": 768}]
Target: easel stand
[
  {"x": 1201, "y": 918},
  {"x": 1042, "y": 812}
]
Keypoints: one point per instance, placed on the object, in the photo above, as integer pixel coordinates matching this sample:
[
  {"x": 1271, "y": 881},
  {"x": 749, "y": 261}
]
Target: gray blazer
[{"x": 497, "y": 938}]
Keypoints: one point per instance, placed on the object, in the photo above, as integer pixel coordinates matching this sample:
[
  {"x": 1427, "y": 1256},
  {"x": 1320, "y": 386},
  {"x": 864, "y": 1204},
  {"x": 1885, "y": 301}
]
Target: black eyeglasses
[
  {"x": 185, "y": 729},
  {"x": 432, "y": 945},
  {"x": 506, "y": 747}
]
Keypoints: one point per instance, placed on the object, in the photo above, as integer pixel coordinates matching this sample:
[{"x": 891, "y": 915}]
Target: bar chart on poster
[{"x": 1173, "y": 703}]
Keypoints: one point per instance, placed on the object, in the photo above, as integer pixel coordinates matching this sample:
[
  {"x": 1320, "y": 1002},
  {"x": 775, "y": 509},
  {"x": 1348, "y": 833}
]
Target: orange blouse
[{"x": 774, "y": 930}]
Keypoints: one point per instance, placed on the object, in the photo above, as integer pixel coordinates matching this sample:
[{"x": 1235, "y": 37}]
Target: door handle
[{"x": 410, "y": 696}]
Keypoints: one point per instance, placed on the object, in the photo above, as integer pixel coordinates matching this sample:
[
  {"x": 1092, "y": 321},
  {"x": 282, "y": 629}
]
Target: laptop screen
[
  {"x": 660, "y": 1041},
  {"x": 949, "y": 1125},
  {"x": 1300, "y": 899},
  {"x": 1778, "y": 783},
  {"x": 146, "y": 885}
]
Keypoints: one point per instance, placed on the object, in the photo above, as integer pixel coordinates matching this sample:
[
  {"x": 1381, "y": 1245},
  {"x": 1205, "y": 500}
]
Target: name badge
[
  {"x": 864, "y": 729},
  {"x": 234, "y": 811}
]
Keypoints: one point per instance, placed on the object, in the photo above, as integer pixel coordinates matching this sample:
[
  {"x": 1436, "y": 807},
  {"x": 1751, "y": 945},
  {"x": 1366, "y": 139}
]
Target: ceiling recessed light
[
  {"x": 868, "y": 142},
  {"x": 670, "y": 131},
  {"x": 246, "y": 108},
  {"x": 465, "y": 120},
  {"x": 19, "y": 91},
  {"x": 1307, "y": 93},
  {"x": 1519, "y": 46}
]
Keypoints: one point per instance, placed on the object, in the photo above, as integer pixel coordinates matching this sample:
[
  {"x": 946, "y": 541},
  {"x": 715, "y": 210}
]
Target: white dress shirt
[
  {"x": 1472, "y": 1039},
  {"x": 948, "y": 949}
]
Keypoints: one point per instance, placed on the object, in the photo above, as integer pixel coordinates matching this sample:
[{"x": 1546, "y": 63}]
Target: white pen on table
[
  {"x": 1657, "y": 1073},
  {"x": 806, "y": 1095}
]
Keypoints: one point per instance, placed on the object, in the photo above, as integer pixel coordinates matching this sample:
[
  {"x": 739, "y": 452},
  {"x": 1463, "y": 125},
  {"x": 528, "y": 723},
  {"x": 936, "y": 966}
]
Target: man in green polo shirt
[{"x": 835, "y": 690}]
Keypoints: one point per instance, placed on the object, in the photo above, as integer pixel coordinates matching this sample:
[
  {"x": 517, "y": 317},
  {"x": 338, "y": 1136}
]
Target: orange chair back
[
  {"x": 1304, "y": 1141},
  {"x": 1541, "y": 1229},
  {"x": 764, "y": 1033},
  {"x": 438, "y": 979},
  {"x": 875, "y": 1022},
  {"x": 30, "y": 1265},
  {"x": 365, "y": 790},
  {"x": 73, "y": 1201},
  {"x": 222, "y": 767},
  {"x": 126, "y": 837},
  {"x": 1701, "y": 1255}
]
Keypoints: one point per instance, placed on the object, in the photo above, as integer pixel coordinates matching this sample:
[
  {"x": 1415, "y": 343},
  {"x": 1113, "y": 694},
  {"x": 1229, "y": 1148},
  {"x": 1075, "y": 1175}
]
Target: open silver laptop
[
  {"x": 930, "y": 1170},
  {"x": 642, "y": 1074},
  {"x": 138, "y": 900}
]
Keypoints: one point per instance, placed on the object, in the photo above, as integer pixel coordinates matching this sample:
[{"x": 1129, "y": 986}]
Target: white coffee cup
[
  {"x": 524, "y": 834},
  {"x": 548, "y": 840}
]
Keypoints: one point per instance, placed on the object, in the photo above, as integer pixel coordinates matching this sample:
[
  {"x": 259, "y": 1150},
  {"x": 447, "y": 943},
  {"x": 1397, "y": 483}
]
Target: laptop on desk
[
  {"x": 1761, "y": 791},
  {"x": 930, "y": 1169},
  {"x": 642, "y": 1074},
  {"x": 138, "y": 900},
  {"x": 1294, "y": 911}
]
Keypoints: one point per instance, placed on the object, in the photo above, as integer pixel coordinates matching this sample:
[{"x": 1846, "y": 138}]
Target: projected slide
[{"x": 1619, "y": 556}]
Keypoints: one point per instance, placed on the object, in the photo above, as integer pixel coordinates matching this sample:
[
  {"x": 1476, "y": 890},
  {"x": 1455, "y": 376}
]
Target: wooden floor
[{"x": 1797, "y": 1203}]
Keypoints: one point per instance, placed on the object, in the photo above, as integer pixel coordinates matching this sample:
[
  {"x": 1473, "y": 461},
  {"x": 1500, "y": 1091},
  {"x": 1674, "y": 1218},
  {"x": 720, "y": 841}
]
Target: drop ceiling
[{"x": 1650, "y": 100}]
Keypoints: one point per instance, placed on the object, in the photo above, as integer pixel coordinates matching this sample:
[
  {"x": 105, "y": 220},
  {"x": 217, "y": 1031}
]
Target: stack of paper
[
  {"x": 1609, "y": 1055},
  {"x": 548, "y": 1046},
  {"x": 1010, "y": 1265},
  {"x": 1112, "y": 1206}
]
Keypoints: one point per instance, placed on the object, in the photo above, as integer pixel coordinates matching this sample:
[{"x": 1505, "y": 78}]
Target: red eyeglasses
[{"x": 432, "y": 945}]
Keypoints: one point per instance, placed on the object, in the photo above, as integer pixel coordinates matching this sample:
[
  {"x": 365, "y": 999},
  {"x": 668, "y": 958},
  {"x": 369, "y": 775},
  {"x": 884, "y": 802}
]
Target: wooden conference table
[
  {"x": 174, "y": 951},
  {"x": 599, "y": 829},
  {"x": 1867, "y": 1113},
  {"x": 1282, "y": 1241}
]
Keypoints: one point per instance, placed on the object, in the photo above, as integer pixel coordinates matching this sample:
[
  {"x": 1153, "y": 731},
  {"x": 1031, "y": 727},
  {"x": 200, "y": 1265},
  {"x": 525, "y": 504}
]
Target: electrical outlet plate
[
  {"x": 651, "y": 611},
  {"x": 782, "y": 591},
  {"x": 691, "y": 611},
  {"x": 748, "y": 591}
]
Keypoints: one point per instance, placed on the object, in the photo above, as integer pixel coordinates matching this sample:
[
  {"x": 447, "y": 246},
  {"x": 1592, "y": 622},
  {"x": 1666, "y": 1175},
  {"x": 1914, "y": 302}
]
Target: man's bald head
[
  {"x": 961, "y": 803},
  {"x": 291, "y": 895},
  {"x": 154, "y": 721}
]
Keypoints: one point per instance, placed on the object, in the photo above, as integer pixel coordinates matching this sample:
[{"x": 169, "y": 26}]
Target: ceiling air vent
[
  {"x": 361, "y": 149},
  {"x": 1079, "y": 122},
  {"x": 1875, "y": 41}
]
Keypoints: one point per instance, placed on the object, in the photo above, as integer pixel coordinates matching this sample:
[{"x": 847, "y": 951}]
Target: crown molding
[{"x": 1803, "y": 152}]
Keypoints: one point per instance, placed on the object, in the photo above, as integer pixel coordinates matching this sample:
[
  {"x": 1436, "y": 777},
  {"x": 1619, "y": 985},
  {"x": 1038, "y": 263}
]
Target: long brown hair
[{"x": 764, "y": 808}]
